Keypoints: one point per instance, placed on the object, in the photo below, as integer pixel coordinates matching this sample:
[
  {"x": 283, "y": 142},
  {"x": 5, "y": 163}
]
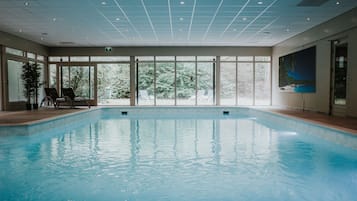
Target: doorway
[{"x": 81, "y": 78}]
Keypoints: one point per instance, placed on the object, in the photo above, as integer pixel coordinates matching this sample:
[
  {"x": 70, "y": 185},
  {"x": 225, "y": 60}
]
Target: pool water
[{"x": 116, "y": 157}]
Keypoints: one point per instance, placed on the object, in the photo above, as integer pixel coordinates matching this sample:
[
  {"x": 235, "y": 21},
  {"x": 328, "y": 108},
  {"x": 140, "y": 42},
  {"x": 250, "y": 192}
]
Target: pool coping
[{"x": 29, "y": 124}]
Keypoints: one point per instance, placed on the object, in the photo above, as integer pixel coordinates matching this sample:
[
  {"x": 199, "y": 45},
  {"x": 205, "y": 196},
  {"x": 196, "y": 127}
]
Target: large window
[
  {"x": 262, "y": 81},
  {"x": 15, "y": 59},
  {"x": 206, "y": 80},
  {"x": 80, "y": 78},
  {"x": 245, "y": 83},
  {"x": 228, "y": 81},
  {"x": 15, "y": 84},
  {"x": 165, "y": 81},
  {"x": 185, "y": 83},
  {"x": 145, "y": 81},
  {"x": 113, "y": 84}
]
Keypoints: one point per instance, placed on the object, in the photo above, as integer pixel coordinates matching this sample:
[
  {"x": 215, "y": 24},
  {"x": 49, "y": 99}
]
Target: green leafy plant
[{"x": 31, "y": 80}]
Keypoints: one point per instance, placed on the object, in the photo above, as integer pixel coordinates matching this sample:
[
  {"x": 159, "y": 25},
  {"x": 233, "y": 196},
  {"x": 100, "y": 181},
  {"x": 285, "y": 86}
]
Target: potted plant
[{"x": 31, "y": 80}]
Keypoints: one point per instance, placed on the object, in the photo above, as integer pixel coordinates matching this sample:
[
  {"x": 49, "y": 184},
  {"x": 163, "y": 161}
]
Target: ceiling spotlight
[
  {"x": 244, "y": 18},
  {"x": 181, "y": 18},
  {"x": 182, "y": 2},
  {"x": 104, "y": 3},
  {"x": 308, "y": 19},
  {"x": 117, "y": 19},
  {"x": 26, "y": 3},
  {"x": 20, "y": 30},
  {"x": 337, "y": 3},
  {"x": 54, "y": 19},
  {"x": 260, "y": 2}
]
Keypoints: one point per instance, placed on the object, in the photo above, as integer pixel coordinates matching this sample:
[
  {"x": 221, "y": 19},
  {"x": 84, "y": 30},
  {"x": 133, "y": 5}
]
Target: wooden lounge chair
[{"x": 69, "y": 94}]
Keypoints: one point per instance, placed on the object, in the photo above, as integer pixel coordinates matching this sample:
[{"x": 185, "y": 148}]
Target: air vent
[
  {"x": 311, "y": 3},
  {"x": 66, "y": 43},
  {"x": 225, "y": 113},
  {"x": 124, "y": 113}
]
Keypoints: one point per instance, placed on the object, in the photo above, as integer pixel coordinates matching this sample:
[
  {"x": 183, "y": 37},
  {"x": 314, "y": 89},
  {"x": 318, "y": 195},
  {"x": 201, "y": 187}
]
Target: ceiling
[{"x": 165, "y": 22}]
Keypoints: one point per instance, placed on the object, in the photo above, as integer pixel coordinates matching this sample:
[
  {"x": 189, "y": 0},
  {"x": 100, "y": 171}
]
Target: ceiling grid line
[
  {"x": 250, "y": 23},
  {"x": 111, "y": 23},
  {"x": 191, "y": 21},
  {"x": 127, "y": 18},
  {"x": 212, "y": 20},
  {"x": 170, "y": 18},
  {"x": 266, "y": 26},
  {"x": 149, "y": 19},
  {"x": 234, "y": 19}
]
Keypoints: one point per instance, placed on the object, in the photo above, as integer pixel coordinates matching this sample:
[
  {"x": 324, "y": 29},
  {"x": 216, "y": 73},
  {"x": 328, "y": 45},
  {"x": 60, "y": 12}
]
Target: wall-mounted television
[{"x": 297, "y": 71}]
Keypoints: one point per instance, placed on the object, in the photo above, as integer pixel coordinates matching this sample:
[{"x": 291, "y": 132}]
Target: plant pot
[
  {"x": 28, "y": 106},
  {"x": 35, "y": 106}
]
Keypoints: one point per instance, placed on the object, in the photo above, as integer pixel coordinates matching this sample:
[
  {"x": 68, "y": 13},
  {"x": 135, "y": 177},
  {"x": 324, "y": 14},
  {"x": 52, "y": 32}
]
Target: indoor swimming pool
[{"x": 177, "y": 154}]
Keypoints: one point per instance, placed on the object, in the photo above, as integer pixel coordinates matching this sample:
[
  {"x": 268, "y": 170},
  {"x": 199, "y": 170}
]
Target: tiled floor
[
  {"x": 26, "y": 117},
  {"x": 348, "y": 124}
]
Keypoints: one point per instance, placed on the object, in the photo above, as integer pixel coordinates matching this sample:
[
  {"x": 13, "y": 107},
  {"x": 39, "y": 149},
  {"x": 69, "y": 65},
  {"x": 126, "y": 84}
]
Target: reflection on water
[{"x": 175, "y": 159}]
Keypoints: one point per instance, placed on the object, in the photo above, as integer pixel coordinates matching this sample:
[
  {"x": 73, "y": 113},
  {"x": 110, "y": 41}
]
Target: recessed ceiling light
[
  {"x": 244, "y": 18},
  {"x": 104, "y": 3},
  {"x": 337, "y": 3},
  {"x": 117, "y": 19},
  {"x": 182, "y": 2},
  {"x": 26, "y": 3},
  {"x": 54, "y": 19},
  {"x": 287, "y": 30},
  {"x": 260, "y": 2},
  {"x": 308, "y": 19},
  {"x": 41, "y": 38},
  {"x": 20, "y": 30},
  {"x": 181, "y": 18}
]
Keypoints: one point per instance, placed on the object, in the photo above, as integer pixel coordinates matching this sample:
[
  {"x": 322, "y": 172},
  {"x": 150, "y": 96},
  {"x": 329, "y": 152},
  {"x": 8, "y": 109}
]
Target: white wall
[
  {"x": 344, "y": 26},
  {"x": 10, "y": 40}
]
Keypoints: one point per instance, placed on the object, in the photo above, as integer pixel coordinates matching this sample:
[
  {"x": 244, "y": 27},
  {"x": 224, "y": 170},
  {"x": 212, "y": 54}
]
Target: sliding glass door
[
  {"x": 80, "y": 78},
  {"x": 113, "y": 81}
]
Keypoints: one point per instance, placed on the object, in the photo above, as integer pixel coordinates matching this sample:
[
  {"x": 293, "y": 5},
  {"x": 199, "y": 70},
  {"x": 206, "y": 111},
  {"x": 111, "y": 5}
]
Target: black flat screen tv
[{"x": 297, "y": 71}]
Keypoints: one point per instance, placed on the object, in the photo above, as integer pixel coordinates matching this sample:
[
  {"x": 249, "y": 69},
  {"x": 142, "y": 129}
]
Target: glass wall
[
  {"x": 262, "y": 81},
  {"x": 228, "y": 78},
  {"x": 80, "y": 79},
  {"x": 15, "y": 60},
  {"x": 245, "y": 82},
  {"x": 15, "y": 84},
  {"x": 113, "y": 84},
  {"x": 169, "y": 80},
  {"x": 205, "y": 83},
  {"x": 145, "y": 81},
  {"x": 52, "y": 77},
  {"x": 165, "y": 81},
  {"x": 185, "y": 83}
]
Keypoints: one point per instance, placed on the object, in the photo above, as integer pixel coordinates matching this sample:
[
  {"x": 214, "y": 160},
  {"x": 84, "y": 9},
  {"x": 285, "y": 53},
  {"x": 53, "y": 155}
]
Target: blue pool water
[{"x": 173, "y": 156}]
